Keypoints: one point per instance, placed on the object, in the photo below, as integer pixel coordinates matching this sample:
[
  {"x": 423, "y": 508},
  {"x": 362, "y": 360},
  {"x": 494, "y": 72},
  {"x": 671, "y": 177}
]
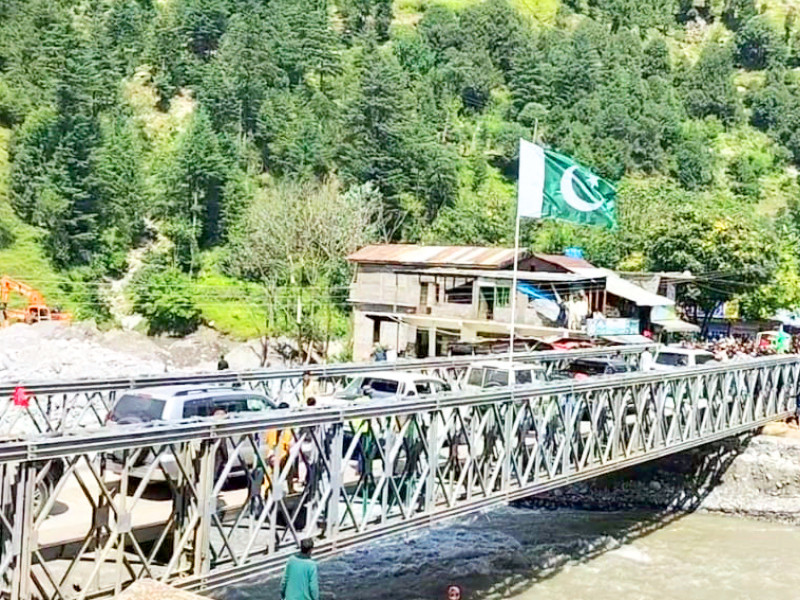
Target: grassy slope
[
  {"x": 229, "y": 305},
  {"x": 25, "y": 259},
  {"x": 540, "y": 10}
]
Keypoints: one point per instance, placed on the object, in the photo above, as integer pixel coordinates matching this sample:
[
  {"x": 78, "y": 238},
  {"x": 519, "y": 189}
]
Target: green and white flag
[{"x": 553, "y": 186}]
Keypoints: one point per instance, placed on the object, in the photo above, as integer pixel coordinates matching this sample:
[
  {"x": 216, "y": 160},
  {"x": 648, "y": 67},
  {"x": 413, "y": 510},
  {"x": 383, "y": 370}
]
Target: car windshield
[
  {"x": 496, "y": 377},
  {"x": 524, "y": 377},
  {"x": 702, "y": 359},
  {"x": 378, "y": 385},
  {"x": 137, "y": 408},
  {"x": 672, "y": 359},
  {"x": 475, "y": 377}
]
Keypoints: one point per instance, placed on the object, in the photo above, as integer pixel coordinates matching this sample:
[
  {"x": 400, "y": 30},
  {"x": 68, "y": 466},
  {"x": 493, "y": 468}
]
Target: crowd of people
[{"x": 736, "y": 348}]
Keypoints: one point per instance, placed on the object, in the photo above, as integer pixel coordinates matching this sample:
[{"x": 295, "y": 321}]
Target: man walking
[{"x": 300, "y": 579}]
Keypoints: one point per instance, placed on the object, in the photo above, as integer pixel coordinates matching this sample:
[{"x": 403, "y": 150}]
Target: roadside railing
[{"x": 63, "y": 405}]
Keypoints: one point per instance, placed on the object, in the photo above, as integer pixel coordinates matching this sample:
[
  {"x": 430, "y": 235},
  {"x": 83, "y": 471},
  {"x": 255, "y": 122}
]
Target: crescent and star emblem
[{"x": 571, "y": 198}]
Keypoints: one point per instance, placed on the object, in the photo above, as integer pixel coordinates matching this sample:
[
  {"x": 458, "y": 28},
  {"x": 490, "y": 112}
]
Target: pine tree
[
  {"x": 376, "y": 125},
  {"x": 193, "y": 187},
  {"x": 120, "y": 183}
]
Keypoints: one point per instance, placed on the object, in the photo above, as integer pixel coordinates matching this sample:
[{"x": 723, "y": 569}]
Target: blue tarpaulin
[
  {"x": 533, "y": 292},
  {"x": 543, "y": 302}
]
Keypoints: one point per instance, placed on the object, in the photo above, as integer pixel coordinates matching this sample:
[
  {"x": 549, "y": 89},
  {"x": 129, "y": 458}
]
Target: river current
[{"x": 535, "y": 554}]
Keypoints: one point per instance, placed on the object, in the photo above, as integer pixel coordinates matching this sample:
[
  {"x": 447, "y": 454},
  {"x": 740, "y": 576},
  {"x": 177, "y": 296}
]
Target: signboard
[
  {"x": 727, "y": 310},
  {"x": 598, "y": 327}
]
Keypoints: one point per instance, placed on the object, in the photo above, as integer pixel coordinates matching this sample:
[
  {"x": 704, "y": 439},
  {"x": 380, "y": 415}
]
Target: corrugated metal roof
[
  {"x": 436, "y": 256},
  {"x": 565, "y": 262}
]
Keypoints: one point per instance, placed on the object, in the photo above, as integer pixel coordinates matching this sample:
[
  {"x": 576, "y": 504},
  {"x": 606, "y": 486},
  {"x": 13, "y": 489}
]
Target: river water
[{"x": 534, "y": 554}]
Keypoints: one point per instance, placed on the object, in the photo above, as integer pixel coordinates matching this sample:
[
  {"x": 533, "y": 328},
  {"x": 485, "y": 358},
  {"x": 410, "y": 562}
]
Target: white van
[
  {"x": 383, "y": 385},
  {"x": 498, "y": 374},
  {"x": 673, "y": 357}
]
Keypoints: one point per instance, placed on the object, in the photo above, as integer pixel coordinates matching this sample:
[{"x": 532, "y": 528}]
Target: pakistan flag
[{"x": 553, "y": 186}]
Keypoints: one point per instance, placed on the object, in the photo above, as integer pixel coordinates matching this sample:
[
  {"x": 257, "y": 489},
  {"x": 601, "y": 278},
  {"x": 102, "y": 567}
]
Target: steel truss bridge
[
  {"x": 208, "y": 503},
  {"x": 63, "y": 405}
]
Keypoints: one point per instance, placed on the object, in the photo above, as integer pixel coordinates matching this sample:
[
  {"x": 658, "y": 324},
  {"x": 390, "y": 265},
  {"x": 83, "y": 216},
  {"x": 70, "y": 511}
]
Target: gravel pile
[{"x": 60, "y": 351}]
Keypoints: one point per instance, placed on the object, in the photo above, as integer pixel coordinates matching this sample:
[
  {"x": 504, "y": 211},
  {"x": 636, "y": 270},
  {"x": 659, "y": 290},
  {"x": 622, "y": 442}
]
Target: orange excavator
[{"x": 36, "y": 310}]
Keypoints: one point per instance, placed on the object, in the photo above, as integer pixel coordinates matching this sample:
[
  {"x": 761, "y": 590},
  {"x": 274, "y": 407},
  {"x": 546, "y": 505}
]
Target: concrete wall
[
  {"x": 382, "y": 286},
  {"x": 525, "y": 313},
  {"x": 395, "y": 336},
  {"x": 362, "y": 335}
]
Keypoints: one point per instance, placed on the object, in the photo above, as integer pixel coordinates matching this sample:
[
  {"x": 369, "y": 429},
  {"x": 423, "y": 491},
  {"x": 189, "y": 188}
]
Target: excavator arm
[{"x": 8, "y": 285}]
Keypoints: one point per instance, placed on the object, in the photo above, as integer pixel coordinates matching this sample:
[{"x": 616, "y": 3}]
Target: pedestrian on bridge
[{"x": 300, "y": 579}]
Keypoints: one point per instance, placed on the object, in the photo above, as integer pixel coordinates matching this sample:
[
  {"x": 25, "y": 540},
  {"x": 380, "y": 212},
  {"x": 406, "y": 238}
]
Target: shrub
[
  {"x": 6, "y": 235},
  {"x": 85, "y": 294},
  {"x": 163, "y": 296},
  {"x": 758, "y": 45}
]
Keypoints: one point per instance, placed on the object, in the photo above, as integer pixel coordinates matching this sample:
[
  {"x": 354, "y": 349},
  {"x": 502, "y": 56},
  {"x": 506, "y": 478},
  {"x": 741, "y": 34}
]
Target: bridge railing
[
  {"x": 63, "y": 405},
  {"x": 207, "y": 503}
]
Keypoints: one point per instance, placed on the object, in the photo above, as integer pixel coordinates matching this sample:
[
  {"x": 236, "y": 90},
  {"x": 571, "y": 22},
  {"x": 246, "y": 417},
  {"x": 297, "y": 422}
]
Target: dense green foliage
[
  {"x": 278, "y": 135},
  {"x": 163, "y": 296},
  {"x": 6, "y": 235}
]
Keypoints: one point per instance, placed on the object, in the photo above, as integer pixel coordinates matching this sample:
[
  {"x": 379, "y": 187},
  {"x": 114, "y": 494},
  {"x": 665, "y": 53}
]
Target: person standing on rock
[
  {"x": 222, "y": 364},
  {"x": 300, "y": 579}
]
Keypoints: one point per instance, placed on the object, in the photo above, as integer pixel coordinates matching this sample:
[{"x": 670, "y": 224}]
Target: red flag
[{"x": 20, "y": 397}]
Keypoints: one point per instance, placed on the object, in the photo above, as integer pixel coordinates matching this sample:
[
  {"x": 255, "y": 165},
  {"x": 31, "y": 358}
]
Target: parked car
[
  {"x": 174, "y": 403},
  {"x": 498, "y": 373},
  {"x": 672, "y": 357},
  {"x": 383, "y": 385},
  {"x": 591, "y": 367}
]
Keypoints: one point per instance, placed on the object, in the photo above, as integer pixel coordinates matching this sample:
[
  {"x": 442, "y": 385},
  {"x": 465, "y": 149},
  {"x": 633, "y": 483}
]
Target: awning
[
  {"x": 638, "y": 295},
  {"x": 677, "y": 326},
  {"x": 625, "y": 289},
  {"x": 628, "y": 339}
]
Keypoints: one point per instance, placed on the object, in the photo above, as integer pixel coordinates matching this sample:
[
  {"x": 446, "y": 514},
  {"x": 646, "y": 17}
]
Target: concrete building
[{"x": 420, "y": 300}]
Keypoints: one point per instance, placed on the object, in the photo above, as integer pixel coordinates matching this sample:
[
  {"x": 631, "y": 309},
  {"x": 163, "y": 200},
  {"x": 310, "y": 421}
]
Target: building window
[
  {"x": 502, "y": 296},
  {"x": 423, "y": 294}
]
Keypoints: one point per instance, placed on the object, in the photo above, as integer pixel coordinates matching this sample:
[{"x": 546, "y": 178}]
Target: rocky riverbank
[{"x": 756, "y": 476}]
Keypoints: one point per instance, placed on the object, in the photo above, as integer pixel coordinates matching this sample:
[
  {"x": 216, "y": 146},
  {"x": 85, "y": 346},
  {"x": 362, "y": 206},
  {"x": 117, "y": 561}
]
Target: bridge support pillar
[
  {"x": 335, "y": 470},
  {"x": 206, "y": 504},
  {"x": 22, "y": 535},
  {"x": 433, "y": 461}
]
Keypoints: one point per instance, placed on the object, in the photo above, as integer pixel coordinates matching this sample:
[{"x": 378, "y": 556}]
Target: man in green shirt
[{"x": 300, "y": 580}]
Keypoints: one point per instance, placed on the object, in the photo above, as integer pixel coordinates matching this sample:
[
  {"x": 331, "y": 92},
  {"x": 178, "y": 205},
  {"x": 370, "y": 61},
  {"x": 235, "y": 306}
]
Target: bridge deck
[{"x": 207, "y": 503}]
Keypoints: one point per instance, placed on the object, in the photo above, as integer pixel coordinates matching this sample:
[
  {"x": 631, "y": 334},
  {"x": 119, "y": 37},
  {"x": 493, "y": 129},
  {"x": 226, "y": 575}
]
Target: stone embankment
[{"x": 756, "y": 476}]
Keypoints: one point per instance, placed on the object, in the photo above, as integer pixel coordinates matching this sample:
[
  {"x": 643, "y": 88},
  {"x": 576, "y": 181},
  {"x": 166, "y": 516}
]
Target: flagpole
[
  {"x": 514, "y": 292},
  {"x": 516, "y": 265}
]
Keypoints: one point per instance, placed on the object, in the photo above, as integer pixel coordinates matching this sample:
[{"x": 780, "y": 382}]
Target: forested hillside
[{"x": 229, "y": 153}]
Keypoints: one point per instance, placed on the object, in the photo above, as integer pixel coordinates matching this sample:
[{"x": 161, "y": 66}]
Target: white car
[
  {"x": 174, "y": 403},
  {"x": 498, "y": 374},
  {"x": 382, "y": 385},
  {"x": 672, "y": 357}
]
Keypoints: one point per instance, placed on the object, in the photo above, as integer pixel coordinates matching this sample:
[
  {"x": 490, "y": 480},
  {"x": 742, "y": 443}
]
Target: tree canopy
[{"x": 215, "y": 130}]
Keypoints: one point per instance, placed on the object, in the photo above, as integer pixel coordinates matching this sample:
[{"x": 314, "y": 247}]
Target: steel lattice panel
[{"x": 206, "y": 503}]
